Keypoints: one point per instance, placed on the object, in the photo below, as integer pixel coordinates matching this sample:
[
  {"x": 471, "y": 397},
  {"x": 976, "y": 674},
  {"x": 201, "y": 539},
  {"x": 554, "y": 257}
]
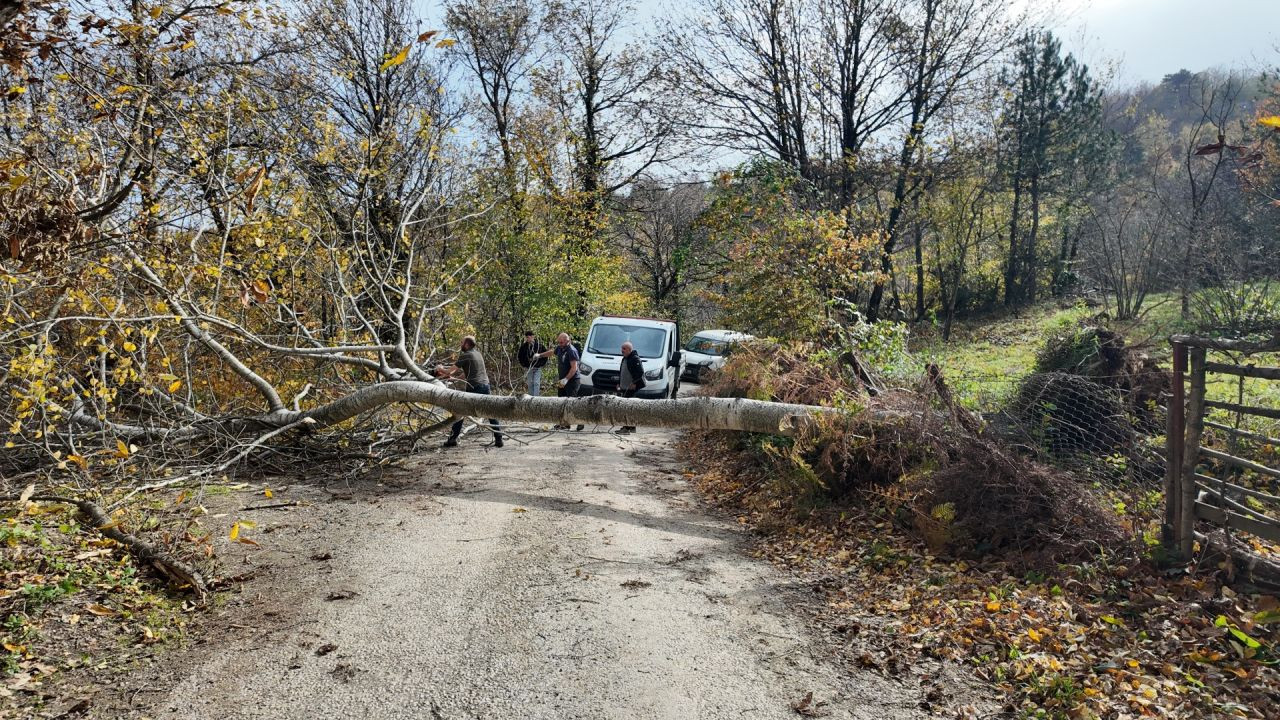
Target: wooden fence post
[
  {"x": 1173, "y": 451},
  {"x": 1191, "y": 454}
]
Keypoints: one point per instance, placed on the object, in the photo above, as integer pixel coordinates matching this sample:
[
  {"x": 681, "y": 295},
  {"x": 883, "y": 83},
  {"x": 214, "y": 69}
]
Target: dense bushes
[{"x": 963, "y": 494}]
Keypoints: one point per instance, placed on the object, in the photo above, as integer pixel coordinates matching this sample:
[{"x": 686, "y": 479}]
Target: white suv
[
  {"x": 706, "y": 351},
  {"x": 657, "y": 342}
]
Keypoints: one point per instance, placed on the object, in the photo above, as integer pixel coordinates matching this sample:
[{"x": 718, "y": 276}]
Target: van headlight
[
  {"x": 584, "y": 368},
  {"x": 653, "y": 374}
]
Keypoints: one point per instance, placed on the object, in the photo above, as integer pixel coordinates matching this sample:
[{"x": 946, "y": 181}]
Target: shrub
[
  {"x": 963, "y": 494},
  {"x": 1065, "y": 414}
]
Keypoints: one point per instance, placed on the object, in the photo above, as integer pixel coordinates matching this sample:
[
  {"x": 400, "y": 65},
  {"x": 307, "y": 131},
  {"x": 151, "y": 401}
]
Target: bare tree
[
  {"x": 744, "y": 64},
  {"x": 947, "y": 44},
  {"x": 618, "y": 123},
  {"x": 1126, "y": 244},
  {"x": 500, "y": 41},
  {"x": 856, "y": 76},
  {"x": 667, "y": 251},
  {"x": 1205, "y": 157}
]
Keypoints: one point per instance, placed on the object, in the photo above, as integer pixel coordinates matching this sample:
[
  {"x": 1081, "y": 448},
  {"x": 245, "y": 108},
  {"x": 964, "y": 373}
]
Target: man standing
[
  {"x": 630, "y": 378},
  {"x": 469, "y": 366},
  {"x": 567, "y": 365},
  {"x": 528, "y": 356}
]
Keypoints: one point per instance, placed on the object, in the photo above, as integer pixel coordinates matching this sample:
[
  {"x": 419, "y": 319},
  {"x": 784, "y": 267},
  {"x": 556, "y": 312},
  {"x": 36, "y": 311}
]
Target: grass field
[{"x": 987, "y": 358}]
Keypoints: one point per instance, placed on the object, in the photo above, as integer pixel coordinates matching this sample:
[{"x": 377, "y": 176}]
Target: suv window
[{"x": 707, "y": 346}]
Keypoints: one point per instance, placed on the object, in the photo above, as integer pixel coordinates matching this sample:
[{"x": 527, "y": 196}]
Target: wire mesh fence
[{"x": 1104, "y": 428}]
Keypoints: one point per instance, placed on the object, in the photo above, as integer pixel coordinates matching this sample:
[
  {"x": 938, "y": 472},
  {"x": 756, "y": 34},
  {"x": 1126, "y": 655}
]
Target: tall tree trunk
[
  {"x": 905, "y": 164},
  {"x": 1029, "y": 248},
  {"x": 1060, "y": 269},
  {"x": 919, "y": 243},
  {"x": 1012, "y": 269}
]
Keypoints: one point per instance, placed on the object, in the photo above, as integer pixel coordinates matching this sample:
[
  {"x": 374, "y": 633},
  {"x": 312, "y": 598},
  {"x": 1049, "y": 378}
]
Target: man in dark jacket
[
  {"x": 630, "y": 378},
  {"x": 532, "y": 364}
]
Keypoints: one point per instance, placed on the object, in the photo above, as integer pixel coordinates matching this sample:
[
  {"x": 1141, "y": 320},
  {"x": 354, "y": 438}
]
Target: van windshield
[{"x": 607, "y": 339}]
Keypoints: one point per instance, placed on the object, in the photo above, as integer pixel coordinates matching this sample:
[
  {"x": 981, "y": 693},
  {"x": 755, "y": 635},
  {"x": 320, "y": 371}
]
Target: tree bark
[
  {"x": 1028, "y": 285},
  {"x": 693, "y": 412},
  {"x": 705, "y": 413}
]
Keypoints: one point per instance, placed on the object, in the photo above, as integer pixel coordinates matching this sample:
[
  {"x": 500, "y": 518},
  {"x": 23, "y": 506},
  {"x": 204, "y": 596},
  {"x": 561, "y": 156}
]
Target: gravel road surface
[{"x": 571, "y": 577}]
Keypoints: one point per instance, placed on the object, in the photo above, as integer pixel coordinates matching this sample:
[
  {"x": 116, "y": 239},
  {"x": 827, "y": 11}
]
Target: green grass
[{"x": 987, "y": 358}]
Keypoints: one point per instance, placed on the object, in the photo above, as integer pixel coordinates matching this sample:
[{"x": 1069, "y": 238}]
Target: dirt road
[{"x": 571, "y": 577}]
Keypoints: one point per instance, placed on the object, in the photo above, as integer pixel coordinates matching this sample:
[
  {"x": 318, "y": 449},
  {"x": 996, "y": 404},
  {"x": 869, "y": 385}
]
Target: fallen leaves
[
  {"x": 66, "y": 592},
  {"x": 807, "y": 707},
  {"x": 1098, "y": 639},
  {"x": 234, "y": 534}
]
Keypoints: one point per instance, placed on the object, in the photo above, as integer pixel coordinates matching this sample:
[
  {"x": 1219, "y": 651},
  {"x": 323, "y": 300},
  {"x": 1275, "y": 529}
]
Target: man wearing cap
[{"x": 529, "y": 357}]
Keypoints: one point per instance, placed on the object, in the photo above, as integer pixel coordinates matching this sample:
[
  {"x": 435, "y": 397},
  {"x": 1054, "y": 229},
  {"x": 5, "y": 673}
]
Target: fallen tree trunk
[
  {"x": 1247, "y": 569},
  {"x": 708, "y": 413}
]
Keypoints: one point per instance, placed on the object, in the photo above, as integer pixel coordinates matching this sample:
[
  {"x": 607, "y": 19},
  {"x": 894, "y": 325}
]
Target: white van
[{"x": 657, "y": 342}]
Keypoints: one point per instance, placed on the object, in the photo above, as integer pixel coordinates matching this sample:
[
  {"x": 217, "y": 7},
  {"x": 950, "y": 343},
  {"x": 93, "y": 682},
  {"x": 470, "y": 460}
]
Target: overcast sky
[
  {"x": 1152, "y": 38},
  {"x": 1143, "y": 39}
]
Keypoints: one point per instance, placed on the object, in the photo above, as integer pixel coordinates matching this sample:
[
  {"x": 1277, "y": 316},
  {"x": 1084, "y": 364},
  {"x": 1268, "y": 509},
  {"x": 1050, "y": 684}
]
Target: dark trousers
[
  {"x": 457, "y": 427},
  {"x": 571, "y": 388},
  {"x": 628, "y": 392}
]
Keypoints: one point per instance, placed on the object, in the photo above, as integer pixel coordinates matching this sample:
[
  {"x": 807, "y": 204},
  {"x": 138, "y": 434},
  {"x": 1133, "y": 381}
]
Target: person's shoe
[
  {"x": 497, "y": 442},
  {"x": 624, "y": 431},
  {"x": 451, "y": 442},
  {"x": 630, "y": 429},
  {"x": 580, "y": 427}
]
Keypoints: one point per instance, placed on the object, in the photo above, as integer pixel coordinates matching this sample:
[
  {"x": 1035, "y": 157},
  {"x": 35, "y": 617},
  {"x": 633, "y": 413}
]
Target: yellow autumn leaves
[
  {"x": 234, "y": 534},
  {"x": 403, "y": 55}
]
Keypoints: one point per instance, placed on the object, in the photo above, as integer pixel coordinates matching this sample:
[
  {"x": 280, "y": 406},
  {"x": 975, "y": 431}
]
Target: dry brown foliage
[{"x": 964, "y": 494}]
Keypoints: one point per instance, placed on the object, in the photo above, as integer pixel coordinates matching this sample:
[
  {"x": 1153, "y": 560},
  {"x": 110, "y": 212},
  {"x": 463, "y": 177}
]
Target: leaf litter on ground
[{"x": 1097, "y": 639}]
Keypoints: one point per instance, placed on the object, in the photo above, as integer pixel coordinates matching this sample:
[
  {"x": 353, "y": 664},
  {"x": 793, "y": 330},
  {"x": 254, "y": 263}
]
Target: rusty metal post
[
  {"x": 1191, "y": 453},
  {"x": 1173, "y": 450}
]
